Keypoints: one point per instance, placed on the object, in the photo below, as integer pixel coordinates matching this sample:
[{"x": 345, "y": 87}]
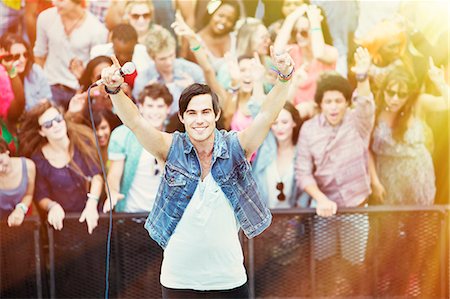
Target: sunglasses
[
  {"x": 400, "y": 94},
  {"x": 9, "y": 57},
  {"x": 156, "y": 168},
  {"x": 280, "y": 187},
  {"x": 136, "y": 16},
  {"x": 304, "y": 33},
  {"x": 49, "y": 123}
]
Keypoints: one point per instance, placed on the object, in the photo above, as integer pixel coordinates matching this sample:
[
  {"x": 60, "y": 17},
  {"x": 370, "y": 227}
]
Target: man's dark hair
[
  {"x": 195, "y": 90},
  {"x": 330, "y": 81},
  {"x": 125, "y": 33},
  {"x": 155, "y": 91}
]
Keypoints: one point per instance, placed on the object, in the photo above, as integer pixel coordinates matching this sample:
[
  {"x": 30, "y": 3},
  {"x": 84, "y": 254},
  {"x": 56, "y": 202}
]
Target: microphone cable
[{"x": 108, "y": 243}]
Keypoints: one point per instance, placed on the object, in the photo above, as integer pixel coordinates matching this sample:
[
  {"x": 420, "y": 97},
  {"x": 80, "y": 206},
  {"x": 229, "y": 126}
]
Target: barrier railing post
[{"x": 37, "y": 258}]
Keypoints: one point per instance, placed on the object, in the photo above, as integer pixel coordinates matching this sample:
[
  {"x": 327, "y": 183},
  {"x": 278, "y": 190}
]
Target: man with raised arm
[{"x": 207, "y": 191}]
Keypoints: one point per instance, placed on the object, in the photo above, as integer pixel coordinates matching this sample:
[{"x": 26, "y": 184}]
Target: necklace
[{"x": 70, "y": 29}]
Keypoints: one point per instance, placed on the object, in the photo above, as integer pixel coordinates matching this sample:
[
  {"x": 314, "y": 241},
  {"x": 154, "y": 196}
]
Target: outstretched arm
[
  {"x": 154, "y": 141},
  {"x": 252, "y": 137},
  {"x": 182, "y": 29},
  {"x": 427, "y": 102}
]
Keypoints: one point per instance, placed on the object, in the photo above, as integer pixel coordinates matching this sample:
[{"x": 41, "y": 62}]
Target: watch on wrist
[{"x": 114, "y": 91}]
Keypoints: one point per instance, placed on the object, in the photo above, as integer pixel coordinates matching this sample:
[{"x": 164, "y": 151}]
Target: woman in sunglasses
[
  {"x": 404, "y": 172},
  {"x": 18, "y": 53},
  {"x": 139, "y": 14},
  {"x": 68, "y": 176},
  {"x": 305, "y": 23}
]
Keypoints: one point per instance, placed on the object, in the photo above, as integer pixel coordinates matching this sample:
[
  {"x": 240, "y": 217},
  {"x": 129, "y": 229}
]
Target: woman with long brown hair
[
  {"x": 68, "y": 176},
  {"x": 404, "y": 167}
]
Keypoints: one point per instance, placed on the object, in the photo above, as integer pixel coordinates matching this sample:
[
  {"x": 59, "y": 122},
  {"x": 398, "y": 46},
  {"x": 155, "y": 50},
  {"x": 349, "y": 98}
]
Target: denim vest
[{"x": 229, "y": 168}]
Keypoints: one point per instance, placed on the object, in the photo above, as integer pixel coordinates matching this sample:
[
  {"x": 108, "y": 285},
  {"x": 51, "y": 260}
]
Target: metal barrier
[
  {"x": 20, "y": 260},
  {"x": 363, "y": 252},
  {"x": 381, "y": 252}
]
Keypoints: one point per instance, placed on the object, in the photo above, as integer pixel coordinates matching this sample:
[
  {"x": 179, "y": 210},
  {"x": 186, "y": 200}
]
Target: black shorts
[{"x": 241, "y": 292}]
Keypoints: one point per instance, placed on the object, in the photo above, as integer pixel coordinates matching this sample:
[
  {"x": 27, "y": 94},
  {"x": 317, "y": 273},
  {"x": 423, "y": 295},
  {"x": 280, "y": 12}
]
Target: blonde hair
[
  {"x": 244, "y": 43},
  {"x": 131, "y": 3},
  {"x": 159, "y": 40}
]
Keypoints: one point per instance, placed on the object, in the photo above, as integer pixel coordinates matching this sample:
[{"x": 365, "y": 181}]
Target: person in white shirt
[
  {"x": 65, "y": 35},
  {"x": 134, "y": 174}
]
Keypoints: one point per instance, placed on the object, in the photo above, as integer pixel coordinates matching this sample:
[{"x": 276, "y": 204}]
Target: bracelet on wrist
[
  {"x": 93, "y": 196},
  {"x": 316, "y": 29},
  {"x": 12, "y": 73},
  {"x": 196, "y": 48},
  {"x": 115, "y": 91},
  {"x": 361, "y": 77},
  {"x": 233, "y": 89},
  {"x": 23, "y": 207}
]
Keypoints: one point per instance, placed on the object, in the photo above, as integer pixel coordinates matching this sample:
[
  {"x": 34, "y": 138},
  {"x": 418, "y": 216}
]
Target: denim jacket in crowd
[{"x": 229, "y": 168}]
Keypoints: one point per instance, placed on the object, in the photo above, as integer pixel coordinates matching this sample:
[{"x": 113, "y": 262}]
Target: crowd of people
[{"x": 360, "y": 126}]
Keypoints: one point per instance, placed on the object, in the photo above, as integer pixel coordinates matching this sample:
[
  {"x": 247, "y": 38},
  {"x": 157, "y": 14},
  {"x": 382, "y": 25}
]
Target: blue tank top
[{"x": 10, "y": 197}]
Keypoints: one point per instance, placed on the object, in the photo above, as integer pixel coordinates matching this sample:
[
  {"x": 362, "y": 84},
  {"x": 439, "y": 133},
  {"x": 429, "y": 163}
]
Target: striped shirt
[{"x": 336, "y": 158}]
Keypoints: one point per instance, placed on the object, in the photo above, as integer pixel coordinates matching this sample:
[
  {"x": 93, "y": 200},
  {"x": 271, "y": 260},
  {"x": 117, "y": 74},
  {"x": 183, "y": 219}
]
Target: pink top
[
  {"x": 336, "y": 158},
  {"x": 307, "y": 89},
  {"x": 6, "y": 92},
  {"x": 240, "y": 121}
]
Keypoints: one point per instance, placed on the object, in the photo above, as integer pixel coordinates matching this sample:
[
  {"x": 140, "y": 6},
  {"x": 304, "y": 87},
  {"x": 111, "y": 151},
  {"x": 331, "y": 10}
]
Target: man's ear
[
  {"x": 218, "y": 115},
  {"x": 180, "y": 117}
]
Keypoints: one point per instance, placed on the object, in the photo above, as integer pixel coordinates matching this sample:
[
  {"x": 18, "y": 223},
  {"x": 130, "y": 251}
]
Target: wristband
[
  {"x": 115, "y": 91},
  {"x": 23, "y": 207},
  {"x": 196, "y": 48},
  {"x": 12, "y": 73},
  {"x": 92, "y": 196},
  {"x": 316, "y": 29},
  {"x": 361, "y": 77},
  {"x": 234, "y": 89}
]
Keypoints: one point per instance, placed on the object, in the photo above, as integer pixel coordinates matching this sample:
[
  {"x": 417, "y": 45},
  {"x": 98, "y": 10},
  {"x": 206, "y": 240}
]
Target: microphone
[{"x": 126, "y": 69}]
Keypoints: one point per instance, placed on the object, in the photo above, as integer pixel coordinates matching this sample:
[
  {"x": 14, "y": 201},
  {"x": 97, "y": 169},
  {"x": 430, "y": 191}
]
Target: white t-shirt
[
  {"x": 204, "y": 252},
  {"x": 59, "y": 49},
  {"x": 144, "y": 187}
]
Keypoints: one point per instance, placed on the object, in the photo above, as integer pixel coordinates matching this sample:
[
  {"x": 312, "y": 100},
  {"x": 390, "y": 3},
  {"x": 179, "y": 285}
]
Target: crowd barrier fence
[{"x": 373, "y": 252}]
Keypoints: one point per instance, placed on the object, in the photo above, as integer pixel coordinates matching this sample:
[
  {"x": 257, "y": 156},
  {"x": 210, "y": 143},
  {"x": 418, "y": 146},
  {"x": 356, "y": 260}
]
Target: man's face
[
  {"x": 155, "y": 111},
  {"x": 199, "y": 119},
  {"x": 164, "y": 61},
  {"x": 123, "y": 50},
  {"x": 333, "y": 107}
]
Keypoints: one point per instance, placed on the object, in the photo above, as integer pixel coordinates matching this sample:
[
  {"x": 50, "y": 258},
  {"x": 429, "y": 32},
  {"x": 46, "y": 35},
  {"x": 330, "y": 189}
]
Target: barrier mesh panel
[
  {"x": 384, "y": 255},
  {"x": 79, "y": 260},
  {"x": 406, "y": 254},
  {"x": 139, "y": 260},
  {"x": 18, "y": 260},
  {"x": 282, "y": 258}
]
